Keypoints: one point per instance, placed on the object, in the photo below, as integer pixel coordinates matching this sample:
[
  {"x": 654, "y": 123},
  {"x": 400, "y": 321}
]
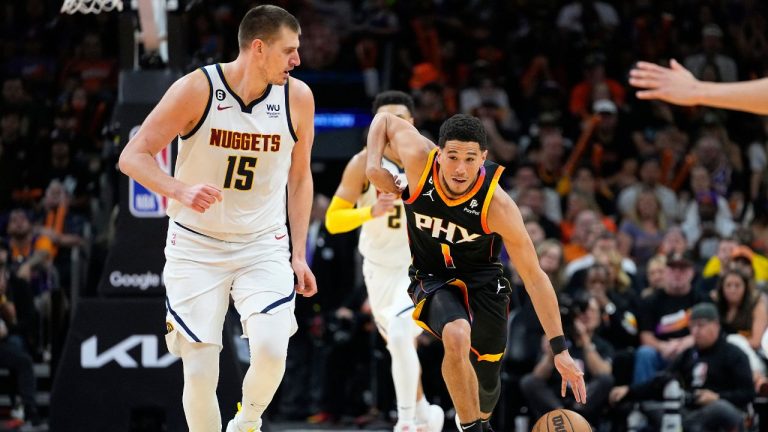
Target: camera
[{"x": 571, "y": 306}]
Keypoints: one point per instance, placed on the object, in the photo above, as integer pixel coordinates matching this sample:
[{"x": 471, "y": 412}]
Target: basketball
[{"x": 562, "y": 420}]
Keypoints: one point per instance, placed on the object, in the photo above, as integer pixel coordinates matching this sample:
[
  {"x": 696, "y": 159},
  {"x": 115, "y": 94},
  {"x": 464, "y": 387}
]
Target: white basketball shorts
[
  {"x": 201, "y": 273},
  {"x": 388, "y": 294}
]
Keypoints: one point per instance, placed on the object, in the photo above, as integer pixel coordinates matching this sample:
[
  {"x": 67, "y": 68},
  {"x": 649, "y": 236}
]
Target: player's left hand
[
  {"x": 572, "y": 376},
  {"x": 305, "y": 280}
]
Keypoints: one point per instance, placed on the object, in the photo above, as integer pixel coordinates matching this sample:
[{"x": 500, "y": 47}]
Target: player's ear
[
  {"x": 257, "y": 45},
  {"x": 484, "y": 154}
]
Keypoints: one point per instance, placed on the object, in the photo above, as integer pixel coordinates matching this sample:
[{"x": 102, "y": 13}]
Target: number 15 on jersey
[{"x": 240, "y": 171}]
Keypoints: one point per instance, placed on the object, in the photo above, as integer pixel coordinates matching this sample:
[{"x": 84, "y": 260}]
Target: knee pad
[
  {"x": 268, "y": 336},
  {"x": 201, "y": 364}
]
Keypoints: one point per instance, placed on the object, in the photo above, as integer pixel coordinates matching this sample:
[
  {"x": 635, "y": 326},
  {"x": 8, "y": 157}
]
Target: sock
[
  {"x": 422, "y": 409},
  {"x": 475, "y": 426}
]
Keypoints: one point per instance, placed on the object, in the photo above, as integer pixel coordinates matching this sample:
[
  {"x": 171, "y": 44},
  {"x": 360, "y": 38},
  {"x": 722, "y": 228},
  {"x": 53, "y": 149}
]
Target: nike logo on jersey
[
  {"x": 280, "y": 237},
  {"x": 441, "y": 230},
  {"x": 221, "y": 108}
]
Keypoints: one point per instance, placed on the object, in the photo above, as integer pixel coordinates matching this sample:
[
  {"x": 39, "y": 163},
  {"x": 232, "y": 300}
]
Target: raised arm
[
  {"x": 300, "y": 185},
  {"x": 406, "y": 143},
  {"x": 504, "y": 219},
  {"x": 677, "y": 85},
  {"x": 178, "y": 111}
]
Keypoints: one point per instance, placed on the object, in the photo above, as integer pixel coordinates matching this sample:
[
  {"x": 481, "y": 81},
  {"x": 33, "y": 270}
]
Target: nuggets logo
[
  {"x": 142, "y": 202},
  {"x": 168, "y": 327}
]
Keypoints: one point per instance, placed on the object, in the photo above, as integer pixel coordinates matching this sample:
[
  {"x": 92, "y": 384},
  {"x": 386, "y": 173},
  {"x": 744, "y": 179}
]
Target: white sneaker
[
  {"x": 405, "y": 427},
  {"x": 435, "y": 419},
  {"x": 232, "y": 425}
]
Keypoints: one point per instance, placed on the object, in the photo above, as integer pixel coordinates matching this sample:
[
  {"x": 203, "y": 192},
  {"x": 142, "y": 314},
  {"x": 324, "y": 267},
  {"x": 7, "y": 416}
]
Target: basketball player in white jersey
[
  {"x": 386, "y": 256},
  {"x": 245, "y": 133}
]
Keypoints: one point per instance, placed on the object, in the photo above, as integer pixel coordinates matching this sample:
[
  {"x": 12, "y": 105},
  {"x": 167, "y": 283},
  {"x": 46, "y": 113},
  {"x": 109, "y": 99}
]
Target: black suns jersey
[{"x": 449, "y": 238}]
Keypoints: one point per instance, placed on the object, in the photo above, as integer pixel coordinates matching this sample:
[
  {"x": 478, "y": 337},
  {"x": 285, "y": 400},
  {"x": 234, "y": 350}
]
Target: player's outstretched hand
[
  {"x": 383, "y": 180},
  {"x": 200, "y": 197},
  {"x": 305, "y": 280},
  {"x": 571, "y": 375},
  {"x": 674, "y": 84}
]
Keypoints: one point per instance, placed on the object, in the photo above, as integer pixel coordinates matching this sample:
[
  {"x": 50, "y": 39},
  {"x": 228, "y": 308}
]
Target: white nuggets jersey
[
  {"x": 384, "y": 240},
  {"x": 245, "y": 150}
]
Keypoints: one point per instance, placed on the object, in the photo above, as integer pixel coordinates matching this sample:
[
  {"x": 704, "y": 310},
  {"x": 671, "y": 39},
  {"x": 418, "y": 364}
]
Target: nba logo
[{"x": 142, "y": 202}]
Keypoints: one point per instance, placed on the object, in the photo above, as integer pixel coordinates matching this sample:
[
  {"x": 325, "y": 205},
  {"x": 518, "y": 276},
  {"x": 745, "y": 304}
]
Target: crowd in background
[{"x": 638, "y": 210}]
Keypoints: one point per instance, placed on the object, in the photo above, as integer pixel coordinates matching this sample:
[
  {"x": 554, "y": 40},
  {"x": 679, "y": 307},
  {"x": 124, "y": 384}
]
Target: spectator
[
  {"x": 534, "y": 229},
  {"x": 486, "y": 92},
  {"x": 21, "y": 160},
  {"x": 582, "y": 101},
  {"x": 542, "y": 387},
  {"x": 586, "y": 226},
  {"x": 654, "y": 271},
  {"x": 604, "y": 246},
  {"x": 743, "y": 317},
  {"x": 712, "y": 371},
  {"x": 550, "y": 254},
  {"x": 618, "y": 307},
  {"x": 586, "y": 182},
  {"x": 63, "y": 227},
  {"x": 30, "y": 253},
  {"x": 96, "y": 72},
  {"x": 717, "y": 265},
  {"x": 724, "y": 68},
  {"x": 526, "y": 178},
  {"x": 535, "y": 198},
  {"x": 650, "y": 178},
  {"x": 706, "y": 220},
  {"x": 587, "y": 16},
  {"x": 13, "y": 354},
  {"x": 642, "y": 231},
  {"x": 550, "y": 157},
  {"x": 613, "y": 155},
  {"x": 663, "y": 320},
  {"x": 674, "y": 241}
]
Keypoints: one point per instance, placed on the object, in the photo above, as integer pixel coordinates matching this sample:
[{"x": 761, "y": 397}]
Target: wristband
[{"x": 558, "y": 344}]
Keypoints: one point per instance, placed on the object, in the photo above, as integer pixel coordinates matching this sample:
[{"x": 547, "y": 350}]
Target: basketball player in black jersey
[{"x": 457, "y": 219}]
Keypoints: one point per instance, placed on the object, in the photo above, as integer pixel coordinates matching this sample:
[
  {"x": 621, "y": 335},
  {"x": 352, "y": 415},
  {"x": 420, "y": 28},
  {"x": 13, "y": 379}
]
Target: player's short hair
[
  {"x": 394, "y": 97},
  {"x": 462, "y": 127},
  {"x": 264, "y": 22}
]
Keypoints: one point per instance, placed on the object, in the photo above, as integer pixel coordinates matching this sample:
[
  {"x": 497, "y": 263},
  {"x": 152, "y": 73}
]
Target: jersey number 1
[{"x": 246, "y": 166}]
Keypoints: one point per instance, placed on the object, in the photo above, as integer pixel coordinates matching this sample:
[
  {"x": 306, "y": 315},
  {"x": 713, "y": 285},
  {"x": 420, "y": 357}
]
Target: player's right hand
[
  {"x": 200, "y": 197},
  {"x": 674, "y": 84},
  {"x": 571, "y": 375},
  {"x": 384, "y": 204},
  {"x": 383, "y": 180}
]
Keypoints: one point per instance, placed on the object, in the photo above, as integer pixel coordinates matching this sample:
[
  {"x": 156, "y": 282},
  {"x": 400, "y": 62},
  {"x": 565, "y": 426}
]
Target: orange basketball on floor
[{"x": 562, "y": 420}]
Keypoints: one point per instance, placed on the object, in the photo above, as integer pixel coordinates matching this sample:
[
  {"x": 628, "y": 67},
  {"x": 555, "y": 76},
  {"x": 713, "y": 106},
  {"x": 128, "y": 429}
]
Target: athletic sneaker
[
  {"x": 406, "y": 427},
  {"x": 435, "y": 419},
  {"x": 232, "y": 425}
]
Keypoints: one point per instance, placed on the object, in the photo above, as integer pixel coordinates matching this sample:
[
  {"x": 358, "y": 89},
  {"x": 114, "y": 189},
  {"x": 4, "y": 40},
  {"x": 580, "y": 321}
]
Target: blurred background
[{"x": 629, "y": 203}]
